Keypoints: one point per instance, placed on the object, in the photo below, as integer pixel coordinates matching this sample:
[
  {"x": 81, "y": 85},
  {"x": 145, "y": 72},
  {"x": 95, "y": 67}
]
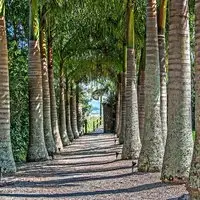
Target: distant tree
[
  {"x": 68, "y": 112},
  {"x": 62, "y": 113},
  {"x": 79, "y": 110},
  {"x": 73, "y": 110},
  {"x": 118, "y": 105}
]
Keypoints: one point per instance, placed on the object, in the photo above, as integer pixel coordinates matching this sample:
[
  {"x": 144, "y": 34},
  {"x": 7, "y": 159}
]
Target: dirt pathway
[{"x": 87, "y": 169}]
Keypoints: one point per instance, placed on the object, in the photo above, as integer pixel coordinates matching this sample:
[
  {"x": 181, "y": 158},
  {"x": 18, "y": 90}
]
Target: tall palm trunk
[
  {"x": 54, "y": 116},
  {"x": 74, "y": 111},
  {"x": 36, "y": 150},
  {"x": 79, "y": 111},
  {"x": 141, "y": 78},
  {"x": 68, "y": 113},
  {"x": 124, "y": 73},
  {"x": 63, "y": 128},
  {"x": 49, "y": 141},
  {"x": 132, "y": 145},
  {"x": 179, "y": 145},
  {"x": 194, "y": 180},
  {"x": 80, "y": 119},
  {"x": 6, "y": 155},
  {"x": 118, "y": 104},
  {"x": 123, "y": 122},
  {"x": 152, "y": 151},
  {"x": 163, "y": 74},
  {"x": 101, "y": 109}
]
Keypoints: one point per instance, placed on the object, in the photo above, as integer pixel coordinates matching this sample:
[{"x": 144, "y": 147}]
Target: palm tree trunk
[
  {"x": 194, "y": 180},
  {"x": 6, "y": 155},
  {"x": 163, "y": 74},
  {"x": 79, "y": 111},
  {"x": 132, "y": 145},
  {"x": 118, "y": 104},
  {"x": 54, "y": 116},
  {"x": 152, "y": 151},
  {"x": 80, "y": 119},
  {"x": 101, "y": 110},
  {"x": 36, "y": 150},
  {"x": 141, "y": 80},
  {"x": 49, "y": 141},
  {"x": 68, "y": 113},
  {"x": 73, "y": 111},
  {"x": 123, "y": 122},
  {"x": 179, "y": 145},
  {"x": 63, "y": 128}
]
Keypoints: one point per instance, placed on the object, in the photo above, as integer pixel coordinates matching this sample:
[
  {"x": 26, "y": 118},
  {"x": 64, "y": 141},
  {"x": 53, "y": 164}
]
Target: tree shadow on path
[
  {"x": 63, "y": 181},
  {"x": 98, "y": 192}
]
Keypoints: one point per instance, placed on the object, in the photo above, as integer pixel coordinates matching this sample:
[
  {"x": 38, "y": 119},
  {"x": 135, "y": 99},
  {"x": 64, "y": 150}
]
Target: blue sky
[{"x": 95, "y": 106}]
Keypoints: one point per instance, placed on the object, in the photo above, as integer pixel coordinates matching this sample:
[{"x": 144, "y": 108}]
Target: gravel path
[{"x": 87, "y": 169}]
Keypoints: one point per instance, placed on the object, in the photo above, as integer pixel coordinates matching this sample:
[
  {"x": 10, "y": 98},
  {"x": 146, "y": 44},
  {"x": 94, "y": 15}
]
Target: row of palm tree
[
  {"x": 48, "y": 132},
  {"x": 164, "y": 123},
  {"x": 45, "y": 135},
  {"x": 162, "y": 137}
]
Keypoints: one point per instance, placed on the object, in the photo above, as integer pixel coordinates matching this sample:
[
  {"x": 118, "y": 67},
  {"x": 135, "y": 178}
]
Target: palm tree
[
  {"x": 6, "y": 157},
  {"x": 179, "y": 144},
  {"x": 79, "y": 111},
  {"x": 54, "y": 116},
  {"x": 80, "y": 118},
  {"x": 49, "y": 141},
  {"x": 123, "y": 100},
  {"x": 74, "y": 110},
  {"x": 132, "y": 145},
  {"x": 68, "y": 112},
  {"x": 101, "y": 108},
  {"x": 163, "y": 74},
  {"x": 118, "y": 105},
  {"x": 118, "y": 127},
  {"x": 141, "y": 78},
  {"x": 194, "y": 180},
  {"x": 63, "y": 128},
  {"x": 36, "y": 149},
  {"x": 152, "y": 151}
]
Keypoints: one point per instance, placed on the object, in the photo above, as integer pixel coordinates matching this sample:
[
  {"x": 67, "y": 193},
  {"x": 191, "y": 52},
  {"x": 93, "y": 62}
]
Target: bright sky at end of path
[{"x": 95, "y": 106}]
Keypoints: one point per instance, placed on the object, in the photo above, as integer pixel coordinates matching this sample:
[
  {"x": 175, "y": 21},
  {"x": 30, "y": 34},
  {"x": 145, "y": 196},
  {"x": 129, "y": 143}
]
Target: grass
[{"x": 91, "y": 121}]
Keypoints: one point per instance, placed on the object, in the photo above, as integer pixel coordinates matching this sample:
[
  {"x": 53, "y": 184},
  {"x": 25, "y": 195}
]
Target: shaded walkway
[{"x": 87, "y": 169}]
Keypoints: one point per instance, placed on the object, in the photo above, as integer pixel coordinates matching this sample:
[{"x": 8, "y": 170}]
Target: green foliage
[
  {"x": 91, "y": 123},
  {"x": 34, "y": 27},
  {"x": 19, "y": 100},
  {"x": 17, "y": 21},
  {"x": 17, "y": 31},
  {"x": 89, "y": 37},
  {"x": 84, "y": 100},
  {"x": 2, "y": 7}
]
